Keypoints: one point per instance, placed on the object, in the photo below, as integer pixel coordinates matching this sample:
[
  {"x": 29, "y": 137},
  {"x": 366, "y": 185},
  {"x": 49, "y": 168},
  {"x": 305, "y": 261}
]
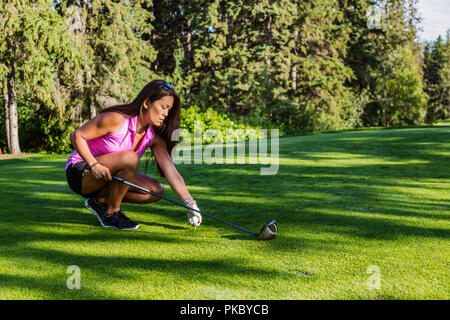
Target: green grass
[{"x": 343, "y": 202}]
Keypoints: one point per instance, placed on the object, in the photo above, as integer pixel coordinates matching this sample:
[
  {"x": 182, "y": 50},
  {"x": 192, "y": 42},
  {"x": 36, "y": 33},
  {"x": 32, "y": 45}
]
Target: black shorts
[{"x": 74, "y": 174}]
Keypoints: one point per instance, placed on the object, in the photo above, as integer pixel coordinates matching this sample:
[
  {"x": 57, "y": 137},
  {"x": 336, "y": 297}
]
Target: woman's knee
[
  {"x": 157, "y": 188},
  {"x": 130, "y": 159}
]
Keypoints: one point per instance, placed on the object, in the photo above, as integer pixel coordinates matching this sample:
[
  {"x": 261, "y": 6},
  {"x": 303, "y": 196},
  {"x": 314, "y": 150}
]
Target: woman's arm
[
  {"x": 171, "y": 174},
  {"x": 98, "y": 126}
]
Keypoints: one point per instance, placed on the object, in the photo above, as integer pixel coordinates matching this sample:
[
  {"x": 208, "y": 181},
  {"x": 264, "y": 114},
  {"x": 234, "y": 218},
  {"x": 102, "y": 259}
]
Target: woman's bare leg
[
  {"x": 125, "y": 165},
  {"x": 134, "y": 195}
]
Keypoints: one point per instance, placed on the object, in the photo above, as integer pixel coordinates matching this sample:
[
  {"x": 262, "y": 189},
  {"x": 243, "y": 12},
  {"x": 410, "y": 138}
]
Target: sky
[{"x": 435, "y": 18}]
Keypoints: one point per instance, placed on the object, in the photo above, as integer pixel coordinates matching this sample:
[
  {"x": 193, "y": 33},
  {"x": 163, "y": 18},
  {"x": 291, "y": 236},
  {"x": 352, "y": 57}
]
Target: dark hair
[{"x": 154, "y": 91}]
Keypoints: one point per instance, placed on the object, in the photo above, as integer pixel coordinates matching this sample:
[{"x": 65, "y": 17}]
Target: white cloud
[{"x": 435, "y": 18}]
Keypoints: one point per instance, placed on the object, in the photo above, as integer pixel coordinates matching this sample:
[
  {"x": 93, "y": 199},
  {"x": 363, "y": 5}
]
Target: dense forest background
[{"x": 296, "y": 65}]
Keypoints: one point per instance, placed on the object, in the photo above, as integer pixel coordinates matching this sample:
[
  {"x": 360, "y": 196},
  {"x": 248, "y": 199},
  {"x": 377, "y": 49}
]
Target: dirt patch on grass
[{"x": 7, "y": 156}]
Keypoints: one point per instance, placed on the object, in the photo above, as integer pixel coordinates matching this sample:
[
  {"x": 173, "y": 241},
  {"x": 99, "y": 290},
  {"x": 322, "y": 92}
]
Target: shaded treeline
[{"x": 298, "y": 65}]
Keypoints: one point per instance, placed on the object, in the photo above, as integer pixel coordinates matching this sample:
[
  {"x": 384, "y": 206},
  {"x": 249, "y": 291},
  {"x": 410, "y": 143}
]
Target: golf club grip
[{"x": 180, "y": 204}]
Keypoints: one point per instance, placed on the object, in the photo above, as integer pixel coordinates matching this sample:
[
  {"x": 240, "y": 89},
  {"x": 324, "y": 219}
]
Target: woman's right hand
[
  {"x": 103, "y": 124},
  {"x": 101, "y": 172}
]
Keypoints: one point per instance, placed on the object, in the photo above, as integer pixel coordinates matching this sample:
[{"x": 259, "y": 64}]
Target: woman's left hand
[{"x": 194, "y": 218}]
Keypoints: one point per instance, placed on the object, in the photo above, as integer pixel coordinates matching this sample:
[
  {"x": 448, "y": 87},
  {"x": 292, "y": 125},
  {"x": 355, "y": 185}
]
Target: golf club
[{"x": 267, "y": 232}]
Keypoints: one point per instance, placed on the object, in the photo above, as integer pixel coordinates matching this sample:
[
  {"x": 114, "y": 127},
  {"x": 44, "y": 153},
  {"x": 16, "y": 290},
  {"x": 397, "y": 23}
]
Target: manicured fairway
[{"x": 343, "y": 202}]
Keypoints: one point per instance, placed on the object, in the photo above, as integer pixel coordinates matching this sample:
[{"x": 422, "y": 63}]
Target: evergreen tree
[
  {"x": 33, "y": 46},
  {"x": 400, "y": 92},
  {"x": 293, "y": 64},
  {"x": 113, "y": 37},
  {"x": 374, "y": 57},
  {"x": 437, "y": 78},
  {"x": 176, "y": 37},
  {"x": 323, "y": 97},
  {"x": 261, "y": 60}
]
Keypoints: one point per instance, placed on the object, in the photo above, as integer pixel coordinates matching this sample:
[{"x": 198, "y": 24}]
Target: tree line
[{"x": 296, "y": 65}]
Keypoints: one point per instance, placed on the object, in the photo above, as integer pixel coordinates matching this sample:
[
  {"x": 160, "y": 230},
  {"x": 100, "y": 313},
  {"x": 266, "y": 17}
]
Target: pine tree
[
  {"x": 260, "y": 60},
  {"x": 323, "y": 96},
  {"x": 401, "y": 91},
  {"x": 437, "y": 78},
  {"x": 374, "y": 58},
  {"x": 33, "y": 42},
  {"x": 113, "y": 37}
]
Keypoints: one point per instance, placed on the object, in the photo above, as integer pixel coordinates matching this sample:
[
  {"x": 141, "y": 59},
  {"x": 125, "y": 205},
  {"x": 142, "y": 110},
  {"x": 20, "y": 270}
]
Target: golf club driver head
[{"x": 268, "y": 231}]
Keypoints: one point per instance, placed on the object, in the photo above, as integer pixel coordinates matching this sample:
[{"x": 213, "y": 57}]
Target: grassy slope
[{"x": 343, "y": 201}]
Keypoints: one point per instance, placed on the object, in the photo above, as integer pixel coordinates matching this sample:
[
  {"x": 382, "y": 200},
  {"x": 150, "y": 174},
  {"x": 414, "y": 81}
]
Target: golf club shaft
[{"x": 180, "y": 204}]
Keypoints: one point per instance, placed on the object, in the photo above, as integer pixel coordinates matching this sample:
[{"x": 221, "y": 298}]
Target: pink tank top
[{"x": 121, "y": 140}]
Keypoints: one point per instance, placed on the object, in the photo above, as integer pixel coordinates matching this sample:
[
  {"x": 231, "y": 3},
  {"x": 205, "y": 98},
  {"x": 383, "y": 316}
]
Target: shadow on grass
[
  {"x": 373, "y": 201},
  {"x": 358, "y": 199},
  {"x": 114, "y": 268},
  {"x": 49, "y": 288},
  {"x": 163, "y": 225}
]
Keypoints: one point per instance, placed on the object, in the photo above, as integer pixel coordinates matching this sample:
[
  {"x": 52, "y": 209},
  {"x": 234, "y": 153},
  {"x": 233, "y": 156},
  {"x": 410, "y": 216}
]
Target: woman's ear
[{"x": 146, "y": 104}]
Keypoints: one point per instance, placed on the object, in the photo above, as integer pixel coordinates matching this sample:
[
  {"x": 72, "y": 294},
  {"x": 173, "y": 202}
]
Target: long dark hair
[{"x": 154, "y": 91}]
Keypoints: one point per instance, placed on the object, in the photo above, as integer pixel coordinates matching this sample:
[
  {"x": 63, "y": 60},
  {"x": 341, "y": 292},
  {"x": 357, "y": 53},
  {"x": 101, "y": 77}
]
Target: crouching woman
[{"x": 113, "y": 142}]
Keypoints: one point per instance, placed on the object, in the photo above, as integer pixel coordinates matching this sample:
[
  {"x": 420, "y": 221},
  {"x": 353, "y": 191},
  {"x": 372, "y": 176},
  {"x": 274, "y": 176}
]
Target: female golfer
[{"x": 112, "y": 144}]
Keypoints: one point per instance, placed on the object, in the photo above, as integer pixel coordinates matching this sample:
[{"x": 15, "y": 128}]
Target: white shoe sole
[{"x": 86, "y": 204}]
